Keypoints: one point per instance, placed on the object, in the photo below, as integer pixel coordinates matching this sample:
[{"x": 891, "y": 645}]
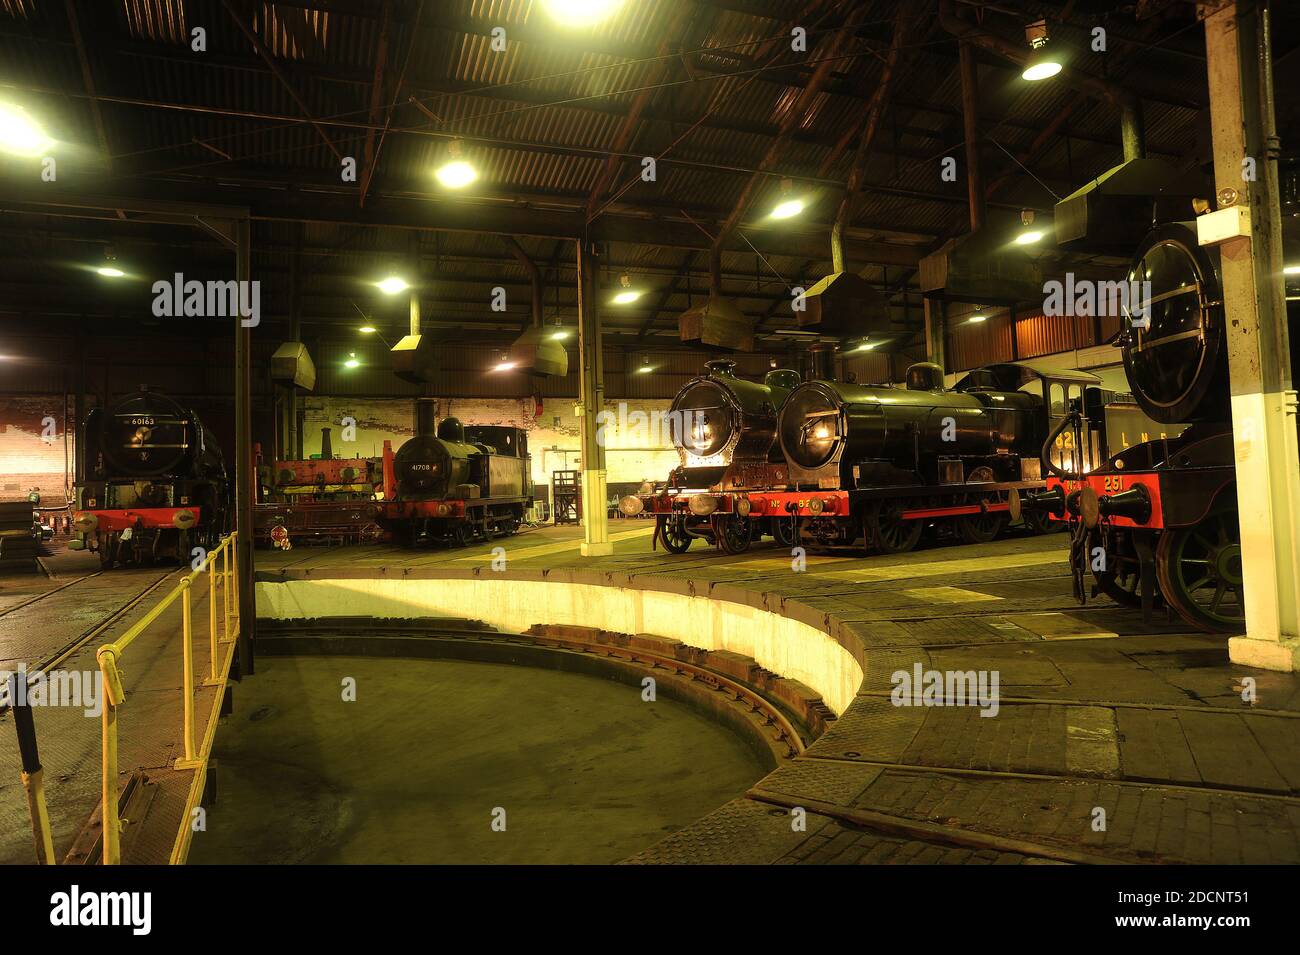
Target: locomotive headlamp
[
  {"x": 702, "y": 505},
  {"x": 183, "y": 519},
  {"x": 743, "y": 506},
  {"x": 85, "y": 522},
  {"x": 630, "y": 505}
]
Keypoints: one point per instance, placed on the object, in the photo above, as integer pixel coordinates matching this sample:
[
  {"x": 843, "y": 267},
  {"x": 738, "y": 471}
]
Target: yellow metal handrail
[{"x": 114, "y": 694}]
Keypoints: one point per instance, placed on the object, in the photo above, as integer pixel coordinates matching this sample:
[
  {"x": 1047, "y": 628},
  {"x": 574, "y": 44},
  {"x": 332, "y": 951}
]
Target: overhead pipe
[
  {"x": 1128, "y": 104},
  {"x": 534, "y": 275},
  {"x": 971, "y": 132}
]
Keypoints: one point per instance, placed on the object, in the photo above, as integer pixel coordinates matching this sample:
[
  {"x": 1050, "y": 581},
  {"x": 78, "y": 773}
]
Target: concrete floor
[{"x": 411, "y": 771}]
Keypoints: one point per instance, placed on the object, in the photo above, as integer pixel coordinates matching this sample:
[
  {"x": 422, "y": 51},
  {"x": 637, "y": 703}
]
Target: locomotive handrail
[
  {"x": 1045, "y": 455},
  {"x": 115, "y": 695}
]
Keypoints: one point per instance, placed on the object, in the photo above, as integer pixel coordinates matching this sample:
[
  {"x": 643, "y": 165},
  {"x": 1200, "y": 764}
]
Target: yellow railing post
[
  {"x": 234, "y": 550},
  {"x": 111, "y": 851},
  {"x": 187, "y": 690},
  {"x": 225, "y": 586},
  {"x": 212, "y": 619}
]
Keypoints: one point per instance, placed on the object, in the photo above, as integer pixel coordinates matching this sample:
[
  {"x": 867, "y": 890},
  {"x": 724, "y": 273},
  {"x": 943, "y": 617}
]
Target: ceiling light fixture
[
  {"x": 352, "y": 361},
  {"x": 21, "y": 134},
  {"x": 628, "y": 294},
  {"x": 1041, "y": 64},
  {"x": 581, "y": 13},
  {"x": 392, "y": 285},
  {"x": 456, "y": 172},
  {"x": 789, "y": 205}
]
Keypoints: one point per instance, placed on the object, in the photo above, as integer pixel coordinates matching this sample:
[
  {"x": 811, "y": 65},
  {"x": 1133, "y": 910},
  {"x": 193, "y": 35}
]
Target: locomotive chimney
[
  {"x": 426, "y": 414},
  {"x": 326, "y": 449}
]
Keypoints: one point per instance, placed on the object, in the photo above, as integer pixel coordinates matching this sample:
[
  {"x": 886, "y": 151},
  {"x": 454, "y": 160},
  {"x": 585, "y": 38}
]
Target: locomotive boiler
[
  {"x": 872, "y": 466},
  {"x": 155, "y": 482},
  {"x": 724, "y": 429},
  {"x": 1156, "y": 523},
  {"x": 455, "y": 483}
]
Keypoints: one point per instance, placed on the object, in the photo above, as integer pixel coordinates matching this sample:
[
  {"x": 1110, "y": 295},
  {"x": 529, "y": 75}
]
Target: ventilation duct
[
  {"x": 1111, "y": 214},
  {"x": 981, "y": 268}
]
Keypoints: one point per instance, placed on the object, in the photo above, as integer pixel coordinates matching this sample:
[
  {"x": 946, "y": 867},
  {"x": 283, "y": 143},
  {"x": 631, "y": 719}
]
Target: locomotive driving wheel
[
  {"x": 732, "y": 533},
  {"x": 986, "y": 526},
  {"x": 462, "y": 534},
  {"x": 886, "y": 530},
  {"x": 1121, "y": 578},
  {"x": 1199, "y": 568},
  {"x": 784, "y": 531},
  {"x": 671, "y": 529}
]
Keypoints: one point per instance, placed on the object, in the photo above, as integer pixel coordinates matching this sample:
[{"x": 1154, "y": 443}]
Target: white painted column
[
  {"x": 591, "y": 375},
  {"x": 1263, "y": 402}
]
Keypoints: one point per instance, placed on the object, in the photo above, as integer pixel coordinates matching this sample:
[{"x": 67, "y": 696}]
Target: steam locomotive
[
  {"x": 155, "y": 482},
  {"x": 322, "y": 499},
  {"x": 1156, "y": 523},
  {"x": 456, "y": 483},
  {"x": 724, "y": 428},
  {"x": 869, "y": 466}
]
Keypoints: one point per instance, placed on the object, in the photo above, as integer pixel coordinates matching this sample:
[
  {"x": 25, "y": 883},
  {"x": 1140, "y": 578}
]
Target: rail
[{"x": 115, "y": 695}]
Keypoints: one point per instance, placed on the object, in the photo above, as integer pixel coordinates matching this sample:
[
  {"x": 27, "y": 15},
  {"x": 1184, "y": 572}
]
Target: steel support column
[
  {"x": 1263, "y": 402},
  {"x": 591, "y": 375},
  {"x": 245, "y": 477},
  {"x": 936, "y": 327}
]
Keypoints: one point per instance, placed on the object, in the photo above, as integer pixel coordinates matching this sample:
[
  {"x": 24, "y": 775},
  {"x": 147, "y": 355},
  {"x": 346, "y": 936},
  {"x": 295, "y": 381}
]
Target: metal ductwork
[
  {"x": 1111, "y": 214},
  {"x": 292, "y": 365},
  {"x": 718, "y": 322},
  {"x": 981, "y": 268},
  {"x": 845, "y": 305},
  {"x": 536, "y": 351}
]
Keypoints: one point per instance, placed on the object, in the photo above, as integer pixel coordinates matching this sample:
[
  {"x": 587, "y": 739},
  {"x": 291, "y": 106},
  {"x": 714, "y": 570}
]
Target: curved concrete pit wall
[{"x": 786, "y": 647}]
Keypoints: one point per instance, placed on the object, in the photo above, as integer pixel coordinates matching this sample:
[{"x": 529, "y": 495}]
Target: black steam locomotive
[
  {"x": 154, "y": 484},
  {"x": 1156, "y": 524},
  {"x": 456, "y": 483},
  {"x": 724, "y": 428},
  {"x": 868, "y": 466}
]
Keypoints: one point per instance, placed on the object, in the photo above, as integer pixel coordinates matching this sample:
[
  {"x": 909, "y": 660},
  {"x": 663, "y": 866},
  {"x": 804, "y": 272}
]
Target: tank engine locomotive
[
  {"x": 456, "y": 483},
  {"x": 724, "y": 428},
  {"x": 871, "y": 466},
  {"x": 154, "y": 482},
  {"x": 1156, "y": 524}
]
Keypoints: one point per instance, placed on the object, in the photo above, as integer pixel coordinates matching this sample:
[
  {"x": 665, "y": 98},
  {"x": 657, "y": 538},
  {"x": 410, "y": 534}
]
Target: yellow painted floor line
[
  {"x": 938, "y": 567},
  {"x": 557, "y": 547},
  {"x": 948, "y": 595},
  {"x": 1059, "y": 626}
]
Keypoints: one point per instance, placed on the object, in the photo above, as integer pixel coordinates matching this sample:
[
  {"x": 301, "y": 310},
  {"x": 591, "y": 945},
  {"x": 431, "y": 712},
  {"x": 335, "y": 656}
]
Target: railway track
[
  {"x": 784, "y": 732},
  {"x": 58, "y": 656}
]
